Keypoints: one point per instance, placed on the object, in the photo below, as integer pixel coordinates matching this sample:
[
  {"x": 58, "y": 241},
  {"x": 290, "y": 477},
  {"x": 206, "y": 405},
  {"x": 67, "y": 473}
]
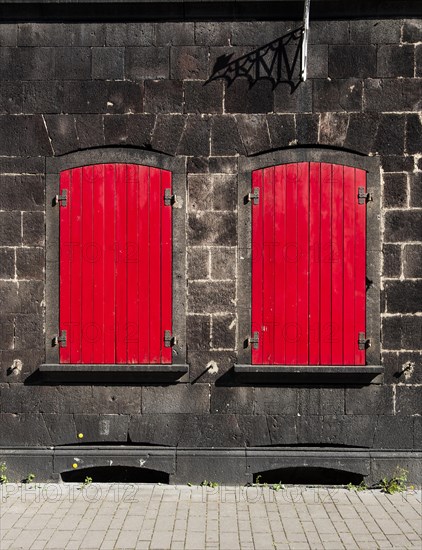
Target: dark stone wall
[{"x": 73, "y": 86}]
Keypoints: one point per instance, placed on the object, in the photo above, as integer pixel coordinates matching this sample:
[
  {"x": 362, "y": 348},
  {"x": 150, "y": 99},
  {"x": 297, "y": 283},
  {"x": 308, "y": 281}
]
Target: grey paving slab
[{"x": 157, "y": 517}]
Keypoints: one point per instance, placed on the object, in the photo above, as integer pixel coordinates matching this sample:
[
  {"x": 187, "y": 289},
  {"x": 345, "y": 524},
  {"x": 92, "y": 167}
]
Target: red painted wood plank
[
  {"x": 337, "y": 265},
  {"x": 155, "y": 265},
  {"x": 326, "y": 261},
  {"x": 360, "y": 266},
  {"x": 269, "y": 261},
  {"x": 132, "y": 263},
  {"x": 109, "y": 263},
  {"x": 121, "y": 264},
  {"x": 98, "y": 246},
  {"x": 257, "y": 264},
  {"x": 350, "y": 203},
  {"x": 302, "y": 262},
  {"x": 65, "y": 320},
  {"x": 166, "y": 265},
  {"x": 143, "y": 254},
  {"x": 291, "y": 285},
  {"x": 75, "y": 283},
  {"x": 280, "y": 264},
  {"x": 314, "y": 262}
]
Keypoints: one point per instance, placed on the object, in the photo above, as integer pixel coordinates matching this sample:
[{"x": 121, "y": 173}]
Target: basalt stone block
[
  {"x": 392, "y": 264},
  {"x": 275, "y": 401},
  {"x": 204, "y": 97},
  {"x": 238, "y": 400},
  {"x": 402, "y": 333},
  {"x": 394, "y": 432},
  {"x": 210, "y": 297},
  {"x": 60, "y": 34},
  {"x": 374, "y": 31},
  {"x": 329, "y": 32},
  {"x": 198, "y": 165},
  {"x": 29, "y": 263},
  {"x": 62, "y": 133},
  {"x": 254, "y": 133},
  {"x": 337, "y": 95},
  {"x": 7, "y": 263},
  {"x": 403, "y": 296},
  {"x": 212, "y": 228},
  {"x": 259, "y": 33},
  {"x": 10, "y": 228},
  {"x": 175, "y": 34},
  {"x": 352, "y": 431},
  {"x": 129, "y": 34},
  {"x": 31, "y": 296},
  {"x": 395, "y": 190},
  {"x": 141, "y": 63},
  {"x": 157, "y": 429},
  {"x": 18, "y": 398},
  {"x": 401, "y": 94},
  {"x": 200, "y": 192},
  {"x": 412, "y": 30},
  {"x": 213, "y": 33},
  {"x": 123, "y": 97},
  {"x": 23, "y": 136},
  {"x": 90, "y": 130},
  {"x": 255, "y": 430},
  {"x": 416, "y": 189},
  {"x": 390, "y": 135},
  {"x": 163, "y": 96},
  {"x": 17, "y": 365},
  {"x": 307, "y": 129},
  {"x": 412, "y": 265},
  {"x": 43, "y": 97},
  {"x": 298, "y": 100},
  {"x": 29, "y": 332},
  {"x": 132, "y": 129},
  {"x": 188, "y": 62},
  {"x": 223, "y": 332},
  {"x": 198, "y": 263},
  {"x": 27, "y": 63},
  {"x": 11, "y": 97},
  {"x": 7, "y": 331},
  {"x": 403, "y": 226},
  {"x": 223, "y": 165},
  {"x": 195, "y": 140},
  {"x": 241, "y": 97},
  {"x": 402, "y": 367},
  {"x": 116, "y": 399},
  {"x": 282, "y": 130},
  {"x": 224, "y": 191},
  {"x": 413, "y": 134},
  {"x": 373, "y": 399},
  {"x": 352, "y": 61},
  {"x": 8, "y": 34},
  {"x": 282, "y": 430},
  {"x": 223, "y": 263},
  {"x": 182, "y": 398},
  {"x": 198, "y": 330},
  {"x": 418, "y": 60},
  {"x": 408, "y": 400},
  {"x": 22, "y": 193},
  {"x": 397, "y": 163},
  {"x": 108, "y": 63},
  {"x": 321, "y": 401},
  {"x": 72, "y": 63},
  {"x": 9, "y": 296},
  {"x": 209, "y": 431},
  {"x": 103, "y": 427},
  {"x": 333, "y": 128},
  {"x": 207, "y": 366},
  {"x": 61, "y": 428},
  {"x": 23, "y": 430},
  {"x": 395, "y": 60},
  {"x": 318, "y": 57},
  {"x": 168, "y": 130},
  {"x": 361, "y": 132},
  {"x": 19, "y": 165},
  {"x": 225, "y": 138}
]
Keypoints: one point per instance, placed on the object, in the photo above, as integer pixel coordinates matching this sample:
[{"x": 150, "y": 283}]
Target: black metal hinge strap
[
  {"x": 363, "y": 197},
  {"x": 254, "y": 196},
  {"x": 168, "y": 339},
  {"x": 61, "y": 339},
  {"x": 169, "y": 199},
  {"x": 363, "y": 342},
  {"x": 254, "y": 340},
  {"x": 61, "y": 199}
]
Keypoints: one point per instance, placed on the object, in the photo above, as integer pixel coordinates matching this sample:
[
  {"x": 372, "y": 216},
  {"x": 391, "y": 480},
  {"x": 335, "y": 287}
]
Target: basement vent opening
[
  {"x": 116, "y": 474},
  {"x": 308, "y": 476}
]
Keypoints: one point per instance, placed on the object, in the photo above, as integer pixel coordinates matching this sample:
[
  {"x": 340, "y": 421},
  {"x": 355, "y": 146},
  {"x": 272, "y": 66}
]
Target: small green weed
[
  {"x": 206, "y": 483},
  {"x": 277, "y": 486},
  {"x": 87, "y": 481},
  {"x": 396, "y": 484},
  {"x": 29, "y": 478},
  {"x": 3, "y": 470},
  {"x": 361, "y": 487}
]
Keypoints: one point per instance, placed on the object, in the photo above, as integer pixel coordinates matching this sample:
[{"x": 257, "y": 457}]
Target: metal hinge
[
  {"x": 61, "y": 199},
  {"x": 363, "y": 342},
  {"x": 61, "y": 340},
  {"x": 168, "y": 339},
  {"x": 254, "y": 196},
  {"x": 169, "y": 199},
  {"x": 363, "y": 197},
  {"x": 254, "y": 340}
]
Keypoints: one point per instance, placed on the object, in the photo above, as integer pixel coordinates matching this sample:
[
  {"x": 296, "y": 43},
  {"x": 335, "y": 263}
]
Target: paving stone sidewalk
[{"x": 159, "y": 517}]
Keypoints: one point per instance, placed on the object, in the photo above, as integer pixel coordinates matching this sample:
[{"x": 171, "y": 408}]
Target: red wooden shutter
[
  {"x": 308, "y": 265},
  {"x": 115, "y": 264}
]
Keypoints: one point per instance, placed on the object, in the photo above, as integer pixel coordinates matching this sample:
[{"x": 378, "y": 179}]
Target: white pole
[{"x": 305, "y": 39}]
